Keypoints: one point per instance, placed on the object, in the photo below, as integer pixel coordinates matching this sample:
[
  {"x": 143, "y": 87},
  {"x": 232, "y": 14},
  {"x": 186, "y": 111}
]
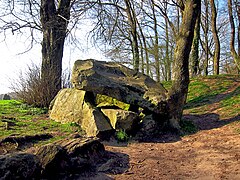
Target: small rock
[{"x": 53, "y": 160}]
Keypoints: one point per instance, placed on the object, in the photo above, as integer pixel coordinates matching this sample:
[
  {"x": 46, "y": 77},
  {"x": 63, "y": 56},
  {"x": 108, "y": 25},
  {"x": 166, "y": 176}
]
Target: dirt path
[
  {"x": 212, "y": 153},
  {"x": 208, "y": 154}
]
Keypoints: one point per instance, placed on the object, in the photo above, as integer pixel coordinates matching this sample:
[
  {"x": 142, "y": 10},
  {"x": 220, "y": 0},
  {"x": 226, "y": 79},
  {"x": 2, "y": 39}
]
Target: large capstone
[
  {"x": 73, "y": 105},
  {"x": 119, "y": 82}
]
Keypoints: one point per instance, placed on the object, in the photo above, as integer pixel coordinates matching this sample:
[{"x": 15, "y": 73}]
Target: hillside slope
[{"x": 212, "y": 151}]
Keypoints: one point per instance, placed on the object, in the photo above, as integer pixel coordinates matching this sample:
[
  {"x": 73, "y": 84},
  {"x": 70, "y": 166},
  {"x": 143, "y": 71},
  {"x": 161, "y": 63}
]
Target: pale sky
[{"x": 11, "y": 63}]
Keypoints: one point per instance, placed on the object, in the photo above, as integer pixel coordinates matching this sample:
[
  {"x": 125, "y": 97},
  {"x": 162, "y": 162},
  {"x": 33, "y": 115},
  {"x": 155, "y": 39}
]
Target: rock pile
[
  {"x": 107, "y": 96},
  {"x": 59, "y": 160}
]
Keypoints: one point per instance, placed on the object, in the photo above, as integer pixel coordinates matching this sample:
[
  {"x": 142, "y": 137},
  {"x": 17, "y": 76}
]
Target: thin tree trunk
[
  {"x": 156, "y": 44},
  {"x": 206, "y": 40},
  {"x": 141, "y": 54},
  {"x": 195, "y": 48},
  {"x": 235, "y": 55},
  {"x": 179, "y": 89},
  {"x": 238, "y": 15},
  {"x": 145, "y": 50},
  {"x": 168, "y": 62},
  {"x": 54, "y": 26},
  {"x": 133, "y": 24},
  {"x": 146, "y": 55},
  {"x": 178, "y": 20},
  {"x": 216, "y": 57}
]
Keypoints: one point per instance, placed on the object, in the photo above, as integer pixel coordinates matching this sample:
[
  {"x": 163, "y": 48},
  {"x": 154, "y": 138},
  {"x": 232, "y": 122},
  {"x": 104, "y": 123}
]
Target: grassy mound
[
  {"x": 211, "y": 98},
  {"x": 218, "y": 95}
]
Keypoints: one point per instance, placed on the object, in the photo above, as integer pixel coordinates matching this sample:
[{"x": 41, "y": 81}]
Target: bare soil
[
  {"x": 208, "y": 154},
  {"x": 211, "y": 153}
]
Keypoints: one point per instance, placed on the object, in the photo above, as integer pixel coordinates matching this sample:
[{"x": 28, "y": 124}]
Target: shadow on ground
[
  {"x": 113, "y": 163},
  {"x": 209, "y": 120},
  {"x": 18, "y": 143},
  {"x": 206, "y": 121},
  {"x": 117, "y": 163}
]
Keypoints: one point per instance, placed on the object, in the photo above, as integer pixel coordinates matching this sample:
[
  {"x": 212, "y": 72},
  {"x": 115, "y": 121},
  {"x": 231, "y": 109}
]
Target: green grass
[
  {"x": 16, "y": 108},
  {"x": 231, "y": 104},
  {"x": 204, "y": 92},
  {"x": 27, "y": 120}
]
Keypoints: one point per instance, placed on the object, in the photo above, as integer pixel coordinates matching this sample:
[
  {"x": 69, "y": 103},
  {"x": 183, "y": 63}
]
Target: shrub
[
  {"x": 121, "y": 135},
  {"x": 34, "y": 90},
  {"x": 188, "y": 127}
]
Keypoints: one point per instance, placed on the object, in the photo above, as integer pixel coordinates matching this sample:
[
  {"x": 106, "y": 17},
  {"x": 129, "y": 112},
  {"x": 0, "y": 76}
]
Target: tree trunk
[
  {"x": 168, "y": 62},
  {"x": 54, "y": 26},
  {"x": 216, "y": 57},
  {"x": 141, "y": 54},
  {"x": 195, "y": 48},
  {"x": 146, "y": 51},
  {"x": 178, "y": 92},
  {"x": 235, "y": 55},
  {"x": 156, "y": 44},
  {"x": 178, "y": 20},
  {"x": 206, "y": 30},
  {"x": 238, "y": 15},
  {"x": 133, "y": 25}
]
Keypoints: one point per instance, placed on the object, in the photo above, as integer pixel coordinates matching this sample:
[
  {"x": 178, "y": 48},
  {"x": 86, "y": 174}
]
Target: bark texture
[
  {"x": 195, "y": 48},
  {"x": 216, "y": 57},
  {"x": 206, "y": 31},
  {"x": 156, "y": 44},
  {"x": 235, "y": 55},
  {"x": 178, "y": 92},
  {"x": 54, "y": 19},
  {"x": 133, "y": 30}
]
